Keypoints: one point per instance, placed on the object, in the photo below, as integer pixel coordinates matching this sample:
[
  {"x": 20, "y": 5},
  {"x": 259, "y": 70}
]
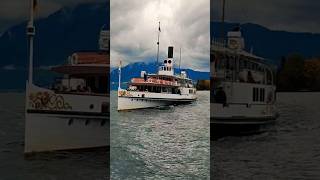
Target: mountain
[
  {"x": 273, "y": 44},
  {"x": 57, "y": 36},
  {"x": 133, "y": 70}
]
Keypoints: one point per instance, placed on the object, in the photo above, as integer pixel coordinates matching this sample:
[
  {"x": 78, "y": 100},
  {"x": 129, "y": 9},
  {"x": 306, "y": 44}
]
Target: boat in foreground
[
  {"x": 73, "y": 113},
  {"x": 244, "y": 91}
]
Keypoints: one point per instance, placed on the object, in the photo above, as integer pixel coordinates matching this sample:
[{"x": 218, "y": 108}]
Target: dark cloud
[
  {"x": 15, "y": 11},
  {"x": 184, "y": 23},
  {"x": 288, "y": 15}
]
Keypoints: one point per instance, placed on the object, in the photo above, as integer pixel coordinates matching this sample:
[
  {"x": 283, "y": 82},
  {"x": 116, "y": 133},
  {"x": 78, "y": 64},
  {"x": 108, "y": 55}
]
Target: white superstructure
[
  {"x": 155, "y": 90},
  {"x": 244, "y": 90}
]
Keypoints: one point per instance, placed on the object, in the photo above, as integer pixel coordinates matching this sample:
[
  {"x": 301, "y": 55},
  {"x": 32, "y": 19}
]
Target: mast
[
  {"x": 223, "y": 19},
  {"x": 119, "y": 73},
  {"x": 180, "y": 61},
  {"x": 158, "y": 43},
  {"x": 31, "y": 34}
]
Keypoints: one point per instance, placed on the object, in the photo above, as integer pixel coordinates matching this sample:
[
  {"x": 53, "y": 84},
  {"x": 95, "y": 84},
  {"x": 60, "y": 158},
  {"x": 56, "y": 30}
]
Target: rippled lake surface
[
  {"x": 171, "y": 143},
  {"x": 289, "y": 149},
  {"x": 90, "y": 164}
]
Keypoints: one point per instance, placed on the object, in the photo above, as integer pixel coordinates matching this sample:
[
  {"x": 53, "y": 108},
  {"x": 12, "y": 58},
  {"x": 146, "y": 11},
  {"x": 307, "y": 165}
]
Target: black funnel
[{"x": 170, "y": 52}]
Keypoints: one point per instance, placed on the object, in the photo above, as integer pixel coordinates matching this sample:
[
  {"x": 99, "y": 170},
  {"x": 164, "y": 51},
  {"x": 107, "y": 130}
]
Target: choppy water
[
  {"x": 161, "y": 144},
  {"x": 290, "y": 149},
  {"x": 53, "y": 166}
]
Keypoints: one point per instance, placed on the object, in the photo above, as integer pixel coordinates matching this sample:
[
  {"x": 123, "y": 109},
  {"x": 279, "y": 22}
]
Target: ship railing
[
  {"x": 155, "y": 81},
  {"x": 218, "y": 43}
]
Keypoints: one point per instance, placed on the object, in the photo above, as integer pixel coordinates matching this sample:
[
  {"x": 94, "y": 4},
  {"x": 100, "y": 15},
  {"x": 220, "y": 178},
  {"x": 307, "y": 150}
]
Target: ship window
[
  {"x": 258, "y": 94},
  {"x": 255, "y": 94},
  {"x": 262, "y": 91}
]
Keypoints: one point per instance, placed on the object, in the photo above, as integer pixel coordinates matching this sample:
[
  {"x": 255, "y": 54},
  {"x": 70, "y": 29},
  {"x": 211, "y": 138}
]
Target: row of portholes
[
  {"x": 87, "y": 122},
  {"x": 146, "y": 100}
]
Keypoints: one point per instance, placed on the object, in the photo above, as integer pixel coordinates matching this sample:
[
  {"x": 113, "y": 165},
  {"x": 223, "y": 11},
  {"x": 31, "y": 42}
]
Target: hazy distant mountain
[
  {"x": 273, "y": 44},
  {"x": 57, "y": 36},
  {"x": 134, "y": 69},
  {"x": 77, "y": 28}
]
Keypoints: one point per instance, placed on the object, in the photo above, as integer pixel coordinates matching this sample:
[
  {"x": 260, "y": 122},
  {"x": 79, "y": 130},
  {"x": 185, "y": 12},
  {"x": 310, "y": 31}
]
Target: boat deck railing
[
  {"x": 218, "y": 44},
  {"x": 154, "y": 81}
]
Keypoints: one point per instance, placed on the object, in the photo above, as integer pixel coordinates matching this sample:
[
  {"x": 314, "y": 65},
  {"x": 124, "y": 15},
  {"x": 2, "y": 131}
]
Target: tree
[
  {"x": 312, "y": 74},
  {"x": 291, "y": 76}
]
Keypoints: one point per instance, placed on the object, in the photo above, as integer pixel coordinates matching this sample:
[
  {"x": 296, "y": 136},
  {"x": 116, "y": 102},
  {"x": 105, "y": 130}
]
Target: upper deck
[{"x": 85, "y": 73}]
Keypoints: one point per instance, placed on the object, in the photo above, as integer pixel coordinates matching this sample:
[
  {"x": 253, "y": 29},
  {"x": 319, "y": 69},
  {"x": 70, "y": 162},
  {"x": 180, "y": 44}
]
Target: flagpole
[
  {"x": 31, "y": 34},
  {"x": 180, "y": 61},
  {"x": 119, "y": 74},
  {"x": 158, "y": 43}
]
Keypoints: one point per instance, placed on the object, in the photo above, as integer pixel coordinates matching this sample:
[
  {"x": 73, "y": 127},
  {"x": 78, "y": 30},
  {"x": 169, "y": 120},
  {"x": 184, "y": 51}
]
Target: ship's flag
[{"x": 159, "y": 27}]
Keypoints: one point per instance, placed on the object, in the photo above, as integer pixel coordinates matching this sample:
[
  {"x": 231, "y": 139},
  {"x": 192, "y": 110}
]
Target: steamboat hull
[
  {"x": 49, "y": 132},
  {"x": 64, "y": 121},
  {"x": 130, "y": 103},
  {"x": 233, "y": 120}
]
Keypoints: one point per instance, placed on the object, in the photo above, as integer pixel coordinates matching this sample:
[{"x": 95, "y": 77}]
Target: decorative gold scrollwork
[{"x": 47, "y": 101}]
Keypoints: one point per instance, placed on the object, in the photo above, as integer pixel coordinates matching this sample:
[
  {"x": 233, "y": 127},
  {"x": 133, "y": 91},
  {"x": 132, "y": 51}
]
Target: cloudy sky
[
  {"x": 16, "y": 11},
  {"x": 184, "y": 23},
  {"x": 288, "y": 15}
]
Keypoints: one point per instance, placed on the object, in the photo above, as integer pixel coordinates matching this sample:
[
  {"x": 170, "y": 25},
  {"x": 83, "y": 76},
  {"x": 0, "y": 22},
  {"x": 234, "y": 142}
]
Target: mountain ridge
[
  {"x": 133, "y": 70},
  {"x": 273, "y": 44}
]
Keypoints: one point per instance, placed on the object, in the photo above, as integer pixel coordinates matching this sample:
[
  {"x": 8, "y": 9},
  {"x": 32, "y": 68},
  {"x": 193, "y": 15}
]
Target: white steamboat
[
  {"x": 74, "y": 112},
  {"x": 157, "y": 90},
  {"x": 244, "y": 91}
]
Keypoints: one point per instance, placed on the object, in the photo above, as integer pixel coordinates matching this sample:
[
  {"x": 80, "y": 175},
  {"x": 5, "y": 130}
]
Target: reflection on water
[
  {"x": 290, "y": 149},
  {"x": 171, "y": 143},
  {"x": 90, "y": 164}
]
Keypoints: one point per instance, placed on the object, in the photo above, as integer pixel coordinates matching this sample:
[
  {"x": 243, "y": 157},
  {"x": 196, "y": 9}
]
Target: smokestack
[{"x": 170, "y": 52}]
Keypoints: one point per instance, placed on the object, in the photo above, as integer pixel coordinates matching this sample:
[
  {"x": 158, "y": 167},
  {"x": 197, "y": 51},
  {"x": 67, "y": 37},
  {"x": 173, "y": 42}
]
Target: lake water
[
  {"x": 93, "y": 164},
  {"x": 171, "y": 143},
  {"x": 289, "y": 149},
  {"x": 174, "y": 144}
]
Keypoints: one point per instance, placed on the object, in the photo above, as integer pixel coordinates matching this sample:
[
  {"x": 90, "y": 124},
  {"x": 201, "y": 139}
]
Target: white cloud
[{"x": 184, "y": 23}]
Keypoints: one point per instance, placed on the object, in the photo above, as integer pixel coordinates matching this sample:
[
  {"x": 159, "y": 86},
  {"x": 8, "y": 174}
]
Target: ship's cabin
[
  {"x": 239, "y": 68},
  {"x": 239, "y": 76},
  {"x": 160, "y": 84},
  {"x": 81, "y": 84},
  {"x": 230, "y": 62},
  {"x": 85, "y": 73}
]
